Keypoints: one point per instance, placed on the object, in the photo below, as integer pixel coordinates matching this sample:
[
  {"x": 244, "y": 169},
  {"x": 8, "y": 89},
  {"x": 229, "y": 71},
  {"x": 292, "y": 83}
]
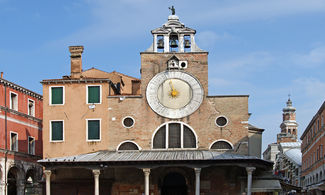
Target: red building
[
  {"x": 312, "y": 148},
  {"x": 21, "y": 112}
]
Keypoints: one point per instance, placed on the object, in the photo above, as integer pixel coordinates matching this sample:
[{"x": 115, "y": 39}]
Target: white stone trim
[
  {"x": 33, "y": 152},
  {"x": 227, "y": 121},
  {"x": 125, "y": 118},
  {"x": 17, "y": 144},
  {"x": 16, "y": 101},
  {"x": 182, "y": 130},
  {"x": 33, "y": 110},
  {"x": 232, "y": 146},
  {"x": 20, "y": 122},
  {"x": 51, "y": 131},
  {"x": 100, "y": 93},
  {"x": 100, "y": 129},
  {"x": 50, "y": 95},
  {"x": 126, "y": 141}
]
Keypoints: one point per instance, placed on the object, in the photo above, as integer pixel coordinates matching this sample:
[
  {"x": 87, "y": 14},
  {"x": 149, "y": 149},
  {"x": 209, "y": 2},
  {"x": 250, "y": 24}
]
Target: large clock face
[{"x": 174, "y": 94}]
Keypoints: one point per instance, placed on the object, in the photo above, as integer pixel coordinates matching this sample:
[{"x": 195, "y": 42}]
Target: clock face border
[{"x": 157, "y": 107}]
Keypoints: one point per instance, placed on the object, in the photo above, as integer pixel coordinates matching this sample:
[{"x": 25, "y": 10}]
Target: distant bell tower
[{"x": 289, "y": 125}]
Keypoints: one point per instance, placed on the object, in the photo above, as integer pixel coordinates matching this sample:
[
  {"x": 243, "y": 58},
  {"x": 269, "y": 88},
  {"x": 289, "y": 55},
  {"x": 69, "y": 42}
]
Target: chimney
[
  {"x": 2, "y": 75},
  {"x": 76, "y": 63}
]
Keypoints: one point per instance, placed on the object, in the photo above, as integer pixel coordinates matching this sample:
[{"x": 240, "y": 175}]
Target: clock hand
[{"x": 173, "y": 92}]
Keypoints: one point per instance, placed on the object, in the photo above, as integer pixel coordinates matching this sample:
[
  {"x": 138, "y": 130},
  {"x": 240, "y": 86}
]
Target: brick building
[
  {"x": 20, "y": 139},
  {"x": 313, "y": 141},
  {"x": 109, "y": 133},
  {"x": 286, "y": 152}
]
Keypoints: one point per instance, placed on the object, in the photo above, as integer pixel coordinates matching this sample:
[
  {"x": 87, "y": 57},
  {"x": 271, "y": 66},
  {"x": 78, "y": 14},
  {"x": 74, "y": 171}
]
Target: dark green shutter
[
  {"x": 93, "y": 94},
  {"x": 93, "y": 130},
  {"x": 57, "y": 95},
  {"x": 57, "y": 130}
]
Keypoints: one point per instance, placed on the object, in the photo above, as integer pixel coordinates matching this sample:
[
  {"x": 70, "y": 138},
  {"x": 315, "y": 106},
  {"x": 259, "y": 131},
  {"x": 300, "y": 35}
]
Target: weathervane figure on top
[{"x": 172, "y": 9}]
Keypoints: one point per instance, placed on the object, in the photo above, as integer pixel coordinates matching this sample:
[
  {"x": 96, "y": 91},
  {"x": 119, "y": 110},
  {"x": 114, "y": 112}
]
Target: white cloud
[
  {"x": 259, "y": 9},
  {"x": 313, "y": 58},
  {"x": 208, "y": 38}
]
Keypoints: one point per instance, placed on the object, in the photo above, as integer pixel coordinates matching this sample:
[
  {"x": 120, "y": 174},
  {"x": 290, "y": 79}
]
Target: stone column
[
  {"x": 96, "y": 173},
  {"x": 154, "y": 43},
  {"x": 197, "y": 180},
  {"x": 166, "y": 43},
  {"x": 48, "y": 181},
  {"x": 146, "y": 181},
  {"x": 249, "y": 179},
  {"x": 20, "y": 187},
  {"x": 181, "y": 43}
]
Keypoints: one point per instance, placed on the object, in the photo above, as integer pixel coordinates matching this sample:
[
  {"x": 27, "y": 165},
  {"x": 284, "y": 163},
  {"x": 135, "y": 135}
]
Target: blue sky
[{"x": 263, "y": 48}]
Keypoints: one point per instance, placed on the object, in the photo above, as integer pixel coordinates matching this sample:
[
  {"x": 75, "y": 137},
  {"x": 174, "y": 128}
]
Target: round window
[
  {"x": 128, "y": 122},
  {"x": 221, "y": 121}
]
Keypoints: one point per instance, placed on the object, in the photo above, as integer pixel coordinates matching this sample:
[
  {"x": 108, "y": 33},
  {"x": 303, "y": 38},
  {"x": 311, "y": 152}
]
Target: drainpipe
[{"x": 6, "y": 141}]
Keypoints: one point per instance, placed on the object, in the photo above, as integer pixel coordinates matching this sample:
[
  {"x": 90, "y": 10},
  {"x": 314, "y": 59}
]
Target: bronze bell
[
  {"x": 187, "y": 44},
  {"x": 160, "y": 44},
  {"x": 173, "y": 43}
]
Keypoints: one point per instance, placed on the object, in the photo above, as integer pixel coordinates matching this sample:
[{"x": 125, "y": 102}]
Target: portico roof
[{"x": 156, "y": 156}]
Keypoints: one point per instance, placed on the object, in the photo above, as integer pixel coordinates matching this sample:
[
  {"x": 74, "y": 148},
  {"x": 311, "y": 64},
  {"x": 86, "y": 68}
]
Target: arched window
[
  {"x": 221, "y": 145},
  {"x": 174, "y": 135},
  {"x": 128, "y": 145}
]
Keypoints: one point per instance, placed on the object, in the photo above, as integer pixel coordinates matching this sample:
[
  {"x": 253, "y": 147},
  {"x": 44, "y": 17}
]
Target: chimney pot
[
  {"x": 76, "y": 61},
  {"x": 2, "y": 75}
]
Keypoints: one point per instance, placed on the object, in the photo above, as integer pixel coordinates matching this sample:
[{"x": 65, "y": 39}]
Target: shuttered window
[
  {"x": 93, "y": 94},
  {"x": 57, "y": 130},
  {"x": 93, "y": 130},
  {"x": 56, "y": 95},
  {"x": 176, "y": 135}
]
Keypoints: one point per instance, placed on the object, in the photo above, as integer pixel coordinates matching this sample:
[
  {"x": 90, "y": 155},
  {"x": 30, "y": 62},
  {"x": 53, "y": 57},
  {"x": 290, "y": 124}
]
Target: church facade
[{"x": 109, "y": 133}]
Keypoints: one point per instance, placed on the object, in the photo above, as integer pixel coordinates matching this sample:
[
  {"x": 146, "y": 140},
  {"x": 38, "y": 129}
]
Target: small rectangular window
[
  {"x": 94, "y": 95},
  {"x": 14, "y": 141},
  {"x": 93, "y": 130},
  {"x": 31, "y": 145},
  {"x": 56, "y": 130},
  {"x": 13, "y": 101},
  {"x": 57, "y": 95},
  {"x": 31, "y": 107}
]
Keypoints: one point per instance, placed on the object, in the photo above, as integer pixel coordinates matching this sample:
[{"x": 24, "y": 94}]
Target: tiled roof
[{"x": 152, "y": 155}]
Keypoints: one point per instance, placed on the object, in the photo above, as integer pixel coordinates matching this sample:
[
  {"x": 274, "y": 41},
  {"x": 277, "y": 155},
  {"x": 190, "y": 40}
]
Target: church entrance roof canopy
[{"x": 157, "y": 157}]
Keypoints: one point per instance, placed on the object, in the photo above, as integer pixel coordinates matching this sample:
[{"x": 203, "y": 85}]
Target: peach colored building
[
  {"x": 313, "y": 141},
  {"x": 109, "y": 133},
  {"x": 20, "y": 139}
]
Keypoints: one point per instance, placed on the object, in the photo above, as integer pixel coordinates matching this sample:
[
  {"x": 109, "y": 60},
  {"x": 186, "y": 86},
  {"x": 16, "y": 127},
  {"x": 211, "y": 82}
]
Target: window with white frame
[
  {"x": 94, "y": 94},
  {"x": 14, "y": 101},
  {"x": 31, "y": 107},
  {"x": 93, "y": 129},
  {"x": 57, "y": 130},
  {"x": 56, "y": 95},
  {"x": 174, "y": 135},
  {"x": 14, "y": 141},
  {"x": 31, "y": 145}
]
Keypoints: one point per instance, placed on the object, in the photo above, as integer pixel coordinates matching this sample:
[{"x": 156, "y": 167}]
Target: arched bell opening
[
  {"x": 173, "y": 42},
  {"x": 174, "y": 183}
]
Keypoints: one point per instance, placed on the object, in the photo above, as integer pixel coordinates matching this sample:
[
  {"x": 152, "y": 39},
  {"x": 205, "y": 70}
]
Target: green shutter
[
  {"x": 57, "y": 130},
  {"x": 57, "y": 95},
  {"x": 93, "y": 130},
  {"x": 93, "y": 94}
]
